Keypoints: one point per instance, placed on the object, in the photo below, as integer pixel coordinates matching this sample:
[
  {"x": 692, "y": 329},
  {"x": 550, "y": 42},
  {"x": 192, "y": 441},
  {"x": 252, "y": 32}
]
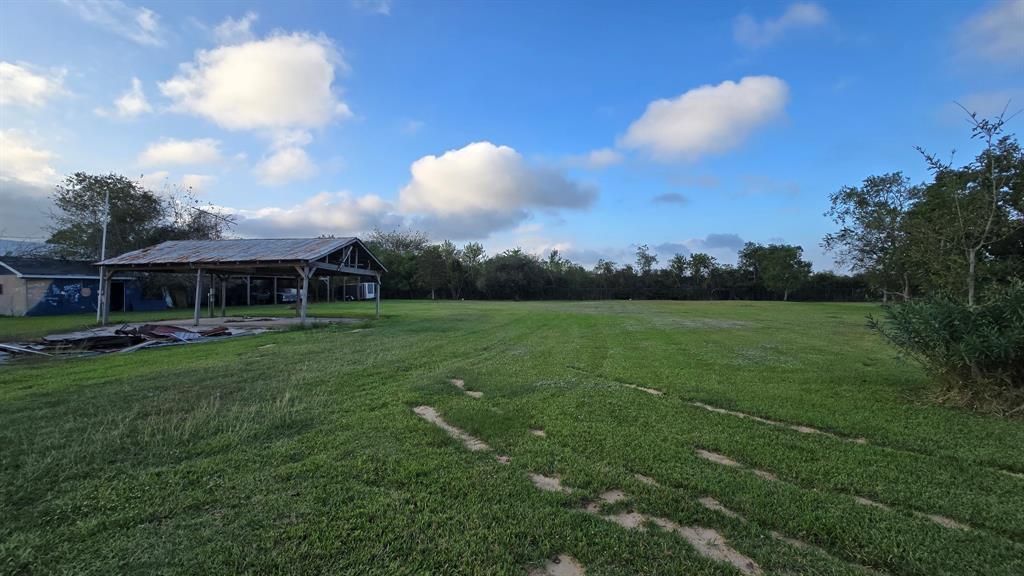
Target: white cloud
[
  {"x": 197, "y": 182},
  {"x": 996, "y": 33},
  {"x": 161, "y": 181},
  {"x": 596, "y": 159},
  {"x": 480, "y": 188},
  {"x": 285, "y": 165},
  {"x": 140, "y": 25},
  {"x": 338, "y": 213},
  {"x": 155, "y": 181},
  {"x": 21, "y": 161},
  {"x": 382, "y": 7},
  {"x": 232, "y": 31},
  {"x": 170, "y": 151},
  {"x": 20, "y": 85},
  {"x": 748, "y": 32},
  {"x": 708, "y": 119},
  {"x": 284, "y": 81},
  {"x": 130, "y": 104}
]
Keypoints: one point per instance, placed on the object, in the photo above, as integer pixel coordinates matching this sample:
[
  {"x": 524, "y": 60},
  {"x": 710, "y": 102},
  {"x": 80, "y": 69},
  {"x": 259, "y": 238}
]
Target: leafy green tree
[
  {"x": 780, "y": 267},
  {"x": 431, "y": 269},
  {"x": 873, "y": 236},
  {"x": 473, "y": 257},
  {"x": 645, "y": 259},
  {"x": 679, "y": 265},
  {"x": 138, "y": 217},
  {"x": 513, "y": 275},
  {"x": 967, "y": 212},
  {"x": 135, "y": 220},
  {"x": 398, "y": 250}
]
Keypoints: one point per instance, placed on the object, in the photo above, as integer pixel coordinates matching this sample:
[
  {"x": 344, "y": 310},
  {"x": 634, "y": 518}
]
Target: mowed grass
[{"x": 299, "y": 452}]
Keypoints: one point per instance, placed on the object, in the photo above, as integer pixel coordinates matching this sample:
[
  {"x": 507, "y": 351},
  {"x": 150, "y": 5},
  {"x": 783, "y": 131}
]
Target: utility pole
[{"x": 102, "y": 302}]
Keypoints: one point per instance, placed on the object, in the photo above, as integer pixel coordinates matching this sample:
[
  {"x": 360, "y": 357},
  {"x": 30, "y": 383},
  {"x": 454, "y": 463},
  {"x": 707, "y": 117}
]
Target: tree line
[{"x": 418, "y": 268}]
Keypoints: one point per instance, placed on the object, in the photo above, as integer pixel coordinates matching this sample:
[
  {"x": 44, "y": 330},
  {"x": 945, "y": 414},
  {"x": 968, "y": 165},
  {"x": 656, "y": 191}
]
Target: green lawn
[
  {"x": 299, "y": 452},
  {"x": 23, "y": 327}
]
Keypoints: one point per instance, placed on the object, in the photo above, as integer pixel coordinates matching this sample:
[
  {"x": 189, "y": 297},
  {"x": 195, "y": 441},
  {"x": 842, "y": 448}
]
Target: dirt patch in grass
[
  {"x": 549, "y": 483},
  {"x": 791, "y": 541},
  {"x": 502, "y": 459},
  {"x": 562, "y": 565},
  {"x": 867, "y": 502},
  {"x": 539, "y": 433},
  {"x": 705, "y": 541},
  {"x": 796, "y": 427},
  {"x": 726, "y": 461},
  {"x": 642, "y": 389},
  {"x": 718, "y": 458},
  {"x": 764, "y": 475},
  {"x": 946, "y": 522},
  {"x": 609, "y": 497},
  {"x": 711, "y": 544},
  {"x": 712, "y": 504},
  {"x": 646, "y": 480},
  {"x": 461, "y": 385},
  {"x": 431, "y": 415}
]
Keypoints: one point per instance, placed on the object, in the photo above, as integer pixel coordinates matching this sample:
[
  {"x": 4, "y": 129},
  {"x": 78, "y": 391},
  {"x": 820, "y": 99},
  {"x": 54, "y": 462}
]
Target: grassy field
[{"x": 300, "y": 451}]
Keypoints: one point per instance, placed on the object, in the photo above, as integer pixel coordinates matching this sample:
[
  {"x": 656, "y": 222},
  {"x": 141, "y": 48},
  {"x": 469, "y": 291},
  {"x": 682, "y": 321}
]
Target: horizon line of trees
[{"x": 418, "y": 268}]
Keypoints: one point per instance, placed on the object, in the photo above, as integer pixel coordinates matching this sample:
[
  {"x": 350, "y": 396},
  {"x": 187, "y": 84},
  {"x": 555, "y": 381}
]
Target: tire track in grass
[
  {"x": 706, "y": 541},
  {"x": 724, "y": 460},
  {"x": 801, "y": 428},
  {"x": 811, "y": 430},
  {"x": 939, "y": 519}
]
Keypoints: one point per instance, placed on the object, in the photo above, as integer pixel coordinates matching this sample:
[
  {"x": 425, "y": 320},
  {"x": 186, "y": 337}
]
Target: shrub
[{"x": 977, "y": 352}]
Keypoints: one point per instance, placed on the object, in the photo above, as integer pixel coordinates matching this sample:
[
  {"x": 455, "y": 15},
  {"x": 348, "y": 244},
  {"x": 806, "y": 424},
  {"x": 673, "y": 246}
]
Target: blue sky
[{"x": 590, "y": 127}]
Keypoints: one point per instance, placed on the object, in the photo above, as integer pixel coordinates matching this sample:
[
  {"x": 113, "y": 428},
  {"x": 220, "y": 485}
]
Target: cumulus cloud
[
  {"x": 708, "y": 119},
  {"x": 597, "y": 159},
  {"x": 170, "y": 151},
  {"x": 670, "y": 198},
  {"x": 130, "y": 104},
  {"x": 287, "y": 164},
  {"x": 26, "y": 209},
  {"x": 285, "y": 81},
  {"x": 196, "y": 182},
  {"x": 26, "y": 181},
  {"x": 481, "y": 188},
  {"x": 140, "y": 25},
  {"x": 996, "y": 33},
  {"x": 24, "y": 162},
  {"x": 723, "y": 246},
  {"x": 338, "y": 213},
  {"x": 232, "y": 31},
  {"x": 23, "y": 86},
  {"x": 750, "y": 33},
  {"x": 158, "y": 180}
]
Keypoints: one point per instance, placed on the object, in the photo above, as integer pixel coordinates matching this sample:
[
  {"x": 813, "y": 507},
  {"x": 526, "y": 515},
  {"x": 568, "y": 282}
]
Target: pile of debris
[{"x": 123, "y": 339}]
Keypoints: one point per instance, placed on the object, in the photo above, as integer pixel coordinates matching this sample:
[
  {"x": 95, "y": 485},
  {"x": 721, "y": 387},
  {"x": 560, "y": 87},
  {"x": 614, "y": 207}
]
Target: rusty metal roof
[{"x": 243, "y": 251}]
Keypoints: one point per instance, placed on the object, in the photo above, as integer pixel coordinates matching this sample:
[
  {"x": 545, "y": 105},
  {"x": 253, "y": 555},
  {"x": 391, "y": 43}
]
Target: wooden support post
[
  {"x": 376, "y": 294},
  {"x": 305, "y": 293},
  {"x": 273, "y": 299},
  {"x": 199, "y": 296},
  {"x": 105, "y": 280},
  {"x": 223, "y": 296},
  {"x": 211, "y": 295},
  {"x": 101, "y": 297},
  {"x": 248, "y": 290}
]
